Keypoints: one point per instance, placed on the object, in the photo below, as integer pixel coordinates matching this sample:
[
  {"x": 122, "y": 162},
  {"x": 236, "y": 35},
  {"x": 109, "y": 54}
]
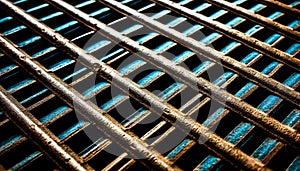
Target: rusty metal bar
[
  {"x": 88, "y": 110},
  {"x": 281, "y": 6},
  {"x": 257, "y": 18},
  {"x": 272, "y": 85},
  {"x": 241, "y": 37},
  {"x": 218, "y": 144},
  {"x": 255, "y": 116},
  {"x": 42, "y": 137}
]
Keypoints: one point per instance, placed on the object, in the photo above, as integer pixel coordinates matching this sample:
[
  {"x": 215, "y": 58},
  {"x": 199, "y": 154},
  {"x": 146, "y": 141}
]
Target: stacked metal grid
[{"x": 257, "y": 43}]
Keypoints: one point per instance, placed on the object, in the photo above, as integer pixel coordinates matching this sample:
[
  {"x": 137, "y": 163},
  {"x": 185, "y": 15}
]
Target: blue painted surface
[
  {"x": 176, "y": 21},
  {"x": 8, "y": 67},
  {"x": 182, "y": 56},
  {"x": 20, "y": 1},
  {"x": 34, "y": 96},
  {"x": 164, "y": 46},
  {"x": 71, "y": 130},
  {"x": 207, "y": 163},
  {"x": 213, "y": 117},
  {"x": 96, "y": 46},
  {"x": 237, "y": 133},
  {"x": 43, "y": 51},
  {"x": 149, "y": 78},
  {"x": 13, "y": 30},
  {"x": 132, "y": 66},
  {"x": 95, "y": 88},
  {"x": 201, "y": 7},
  {"x": 172, "y": 89},
  {"x": 146, "y": 38},
  {"x": 53, "y": 114},
  {"x": 60, "y": 64},
  {"x": 93, "y": 14},
  {"x": 11, "y": 140},
  {"x": 295, "y": 166},
  {"x": 66, "y": 25},
  {"x": 131, "y": 29},
  {"x": 74, "y": 74},
  {"x": 179, "y": 148},
  {"x": 5, "y": 19},
  {"x": 56, "y": 14},
  {"x": 192, "y": 29},
  {"x": 112, "y": 102},
  {"x": 29, "y": 41},
  {"x": 85, "y": 3},
  {"x": 202, "y": 67},
  {"x": 112, "y": 54},
  {"x": 19, "y": 84},
  {"x": 264, "y": 149},
  {"x": 292, "y": 118},
  {"x": 222, "y": 79},
  {"x": 26, "y": 160},
  {"x": 37, "y": 7}
]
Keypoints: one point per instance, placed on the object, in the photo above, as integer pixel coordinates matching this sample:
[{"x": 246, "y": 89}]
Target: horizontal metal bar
[
  {"x": 216, "y": 142},
  {"x": 255, "y": 116},
  {"x": 43, "y": 138},
  {"x": 281, "y": 6},
  {"x": 257, "y": 18},
  {"x": 88, "y": 110},
  {"x": 274, "y": 86},
  {"x": 241, "y": 37}
]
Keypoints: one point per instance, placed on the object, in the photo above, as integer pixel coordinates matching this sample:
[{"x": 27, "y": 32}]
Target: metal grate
[{"x": 129, "y": 85}]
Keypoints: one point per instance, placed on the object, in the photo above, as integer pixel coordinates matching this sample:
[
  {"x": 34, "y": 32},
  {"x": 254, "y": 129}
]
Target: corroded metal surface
[{"x": 218, "y": 148}]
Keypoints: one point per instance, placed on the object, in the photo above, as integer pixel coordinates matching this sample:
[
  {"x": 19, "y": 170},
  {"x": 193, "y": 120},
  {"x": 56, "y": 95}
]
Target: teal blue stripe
[
  {"x": 29, "y": 41},
  {"x": 95, "y": 88},
  {"x": 163, "y": 46},
  {"x": 131, "y": 67},
  {"x": 66, "y": 25},
  {"x": 178, "y": 149},
  {"x": 71, "y": 130},
  {"x": 37, "y": 7},
  {"x": 54, "y": 114},
  {"x": 25, "y": 161},
  {"x": 149, "y": 78},
  {"x": 5, "y": 19},
  {"x": 207, "y": 163},
  {"x": 295, "y": 166},
  {"x": 19, "y": 84},
  {"x": 112, "y": 102},
  {"x": 202, "y": 67},
  {"x": 264, "y": 149},
  {"x": 8, "y": 142},
  {"x": 168, "y": 92},
  {"x": 184, "y": 55},
  {"x": 213, "y": 117},
  {"x": 292, "y": 118},
  {"x": 56, "y": 14},
  {"x": 96, "y": 46},
  {"x": 6, "y": 68},
  {"x": 84, "y": 3}
]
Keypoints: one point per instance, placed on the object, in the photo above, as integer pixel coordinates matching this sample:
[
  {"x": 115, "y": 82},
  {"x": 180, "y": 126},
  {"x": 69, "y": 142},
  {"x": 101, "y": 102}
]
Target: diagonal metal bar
[
  {"x": 255, "y": 116},
  {"x": 218, "y": 144},
  {"x": 274, "y": 86},
  {"x": 257, "y": 18},
  {"x": 42, "y": 137},
  {"x": 88, "y": 110},
  {"x": 281, "y": 6},
  {"x": 241, "y": 37}
]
